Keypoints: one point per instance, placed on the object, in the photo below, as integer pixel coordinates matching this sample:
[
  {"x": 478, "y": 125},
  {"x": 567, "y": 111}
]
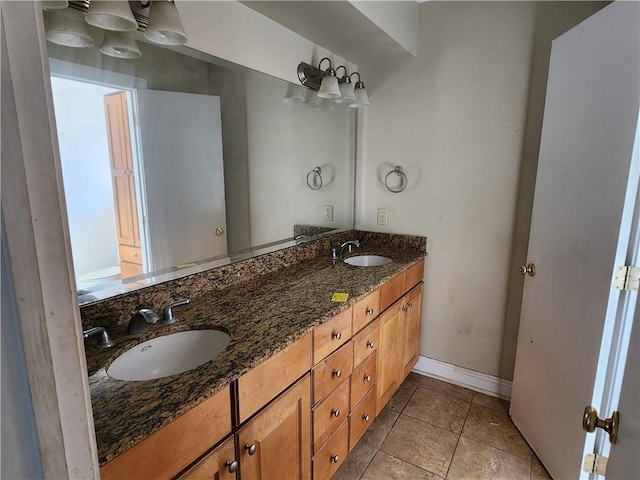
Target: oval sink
[
  {"x": 367, "y": 260},
  {"x": 169, "y": 355}
]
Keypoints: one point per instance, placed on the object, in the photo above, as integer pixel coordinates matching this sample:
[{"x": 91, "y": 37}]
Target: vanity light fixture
[
  {"x": 111, "y": 15},
  {"x": 326, "y": 83},
  {"x": 120, "y": 45},
  {"x": 360, "y": 91},
  {"x": 67, "y": 28},
  {"x": 165, "y": 26},
  {"x": 347, "y": 94},
  {"x": 329, "y": 84}
]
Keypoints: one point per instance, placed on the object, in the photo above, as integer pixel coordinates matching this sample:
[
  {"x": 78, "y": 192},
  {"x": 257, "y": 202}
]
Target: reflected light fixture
[
  {"x": 165, "y": 26},
  {"x": 360, "y": 91},
  {"x": 67, "y": 28},
  {"x": 326, "y": 83},
  {"x": 111, "y": 15},
  {"x": 346, "y": 88},
  {"x": 120, "y": 45},
  {"x": 54, "y": 4},
  {"x": 294, "y": 94}
]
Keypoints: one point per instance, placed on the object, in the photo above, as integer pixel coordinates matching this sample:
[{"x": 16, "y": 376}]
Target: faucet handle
[{"x": 167, "y": 316}]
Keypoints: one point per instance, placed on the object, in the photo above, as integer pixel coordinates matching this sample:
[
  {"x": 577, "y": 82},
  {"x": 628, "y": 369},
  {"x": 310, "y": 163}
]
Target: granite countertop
[{"x": 263, "y": 316}]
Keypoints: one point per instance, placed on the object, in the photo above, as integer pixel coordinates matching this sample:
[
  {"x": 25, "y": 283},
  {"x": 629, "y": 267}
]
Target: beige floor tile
[
  {"x": 491, "y": 402},
  {"x": 379, "y": 429},
  {"x": 401, "y": 397},
  {"x": 448, "y": 388},
  {"x": 356, "y": 462},
  {"x": 426, "y": 446},
  {"x": 494, "y": 427},
  {"x": 437, "y": 409},
  {"x": 414, "y": 378},
  {"x": 386, "y": 467},
  {"x": 474, "y": 460},
  {"x": 538, "y": 472}
]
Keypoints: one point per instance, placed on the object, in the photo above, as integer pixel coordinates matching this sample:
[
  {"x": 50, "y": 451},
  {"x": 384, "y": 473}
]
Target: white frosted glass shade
[
  {"x": 54, "y": 4},
  {"x": 111, "y": 15},
  {"x": 346, "y": 93},
  {"x": 120, "y": 45},
  {"x": 362, "y": 98},
  {"x": 329, "y": 87},
  {"x": 294, "y": 94},
  {"x": 165, "y": 26},
  {"x": 67, "y": 28}
]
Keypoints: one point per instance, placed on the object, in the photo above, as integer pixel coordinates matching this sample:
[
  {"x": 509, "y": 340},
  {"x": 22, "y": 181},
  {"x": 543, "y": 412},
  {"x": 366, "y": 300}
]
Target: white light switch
[
  {"x": 328, "y": 213},
  {"x": 383, "y": 216}
]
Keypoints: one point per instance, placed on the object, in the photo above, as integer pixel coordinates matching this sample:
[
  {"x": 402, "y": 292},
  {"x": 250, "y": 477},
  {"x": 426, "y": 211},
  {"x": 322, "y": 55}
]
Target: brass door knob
[
  {"x": 251, "y": 449},
  {"x": 591, "y": 421},
  {"x": 529, "y": 269},
  {"x": 231, "y": 466}
]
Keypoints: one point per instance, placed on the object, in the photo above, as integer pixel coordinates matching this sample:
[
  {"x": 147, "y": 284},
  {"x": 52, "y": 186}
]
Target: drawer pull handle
[
  {"x": 231, "y": 466},
  {"x": 365, "y": 418},
  {"x": 335, "y": 413},
  {"x": 337, "y": 373},
  {"x": 337, "y": 335},
  {"x": 367, "y": 378},
  {"x": 369, "y": 311},
  {"x": 370, "y": 344},
  {"x": 335, "y": 458},
  {"x": 251, "y": 449}
]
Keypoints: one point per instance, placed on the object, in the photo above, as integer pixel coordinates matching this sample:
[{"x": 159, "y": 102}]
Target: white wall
[{"x": 453, "y": 118}]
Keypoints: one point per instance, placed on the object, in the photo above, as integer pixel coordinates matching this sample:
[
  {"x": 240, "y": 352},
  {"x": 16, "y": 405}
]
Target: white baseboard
[{"x": 480, "y": 382}]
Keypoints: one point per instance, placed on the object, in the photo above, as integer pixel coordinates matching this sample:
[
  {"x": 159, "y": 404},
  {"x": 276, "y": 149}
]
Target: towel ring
[
  {"x": 403, "y": 182},
  {"x": 317, "y": 173}
]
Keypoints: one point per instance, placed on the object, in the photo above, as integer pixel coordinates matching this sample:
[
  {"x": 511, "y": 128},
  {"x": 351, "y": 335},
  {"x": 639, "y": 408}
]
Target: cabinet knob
[
  {"x": 335, "y": 458},
  {"x": 365, "y": 418},
  {"x": 370, "y": 344},
  {"x": 369, "y": 311},
  {"x": 337, "y": 373},
  {"x": 335, "y": 413},
  {"x": 410, "y": 305},
  {"x": 337, "y": 335},
  {"x": 251, "y": 449},
  {"x": 367, "y": 378},
  {"x": 404, "y": 308},
  {"x": 232, "y": 466}
]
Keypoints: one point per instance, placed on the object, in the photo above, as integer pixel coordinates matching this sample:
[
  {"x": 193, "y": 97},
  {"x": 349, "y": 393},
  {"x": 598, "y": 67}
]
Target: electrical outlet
[
  {"x": 383, "y": 216},
  {"x": 328, "y": 213}
]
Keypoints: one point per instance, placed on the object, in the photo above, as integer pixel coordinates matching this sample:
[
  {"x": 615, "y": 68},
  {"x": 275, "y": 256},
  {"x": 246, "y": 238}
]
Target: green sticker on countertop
[
  {"x": 340, "y": 297},
  {"x": 186, "y": 265}
]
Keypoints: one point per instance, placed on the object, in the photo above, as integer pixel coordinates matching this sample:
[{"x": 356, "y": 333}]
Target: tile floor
[{"x": 434, "y": 430}]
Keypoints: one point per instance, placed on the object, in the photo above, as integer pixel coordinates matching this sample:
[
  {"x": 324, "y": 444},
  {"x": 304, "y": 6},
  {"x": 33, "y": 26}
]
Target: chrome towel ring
[
  {"x": 313, "y": 182},
  {"x": 403, "y": 180}
]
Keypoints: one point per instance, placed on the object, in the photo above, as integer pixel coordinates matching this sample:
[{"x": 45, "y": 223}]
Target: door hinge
[
  {"x": 627, "y": 278},
  {"x": 595, "y": 463}
]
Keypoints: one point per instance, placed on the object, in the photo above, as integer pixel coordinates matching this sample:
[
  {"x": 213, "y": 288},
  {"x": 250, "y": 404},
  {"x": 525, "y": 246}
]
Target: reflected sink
[
  {"x": 367, "y": 260},
  {"x": 169, "y": 355}
]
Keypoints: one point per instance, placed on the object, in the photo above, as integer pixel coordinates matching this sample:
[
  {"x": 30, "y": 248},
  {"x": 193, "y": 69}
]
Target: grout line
[
  {"x": 497, "y": 448},
  {"x": 459, "y": 436}
]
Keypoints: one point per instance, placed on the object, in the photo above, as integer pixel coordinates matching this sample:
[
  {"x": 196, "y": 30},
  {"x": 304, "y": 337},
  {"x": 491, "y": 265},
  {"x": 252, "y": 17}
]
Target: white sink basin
[
  {"x": 169, "y": 355},
  {"x": 367, "y": 260}
]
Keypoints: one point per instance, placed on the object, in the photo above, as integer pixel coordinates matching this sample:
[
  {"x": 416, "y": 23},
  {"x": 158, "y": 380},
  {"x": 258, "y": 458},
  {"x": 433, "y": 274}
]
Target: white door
[
  {"x": 583, "y": 208},
  {"x": 181, "y": 138}
]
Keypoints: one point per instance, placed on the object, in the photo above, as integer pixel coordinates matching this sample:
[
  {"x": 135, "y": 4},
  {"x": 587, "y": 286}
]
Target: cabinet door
[
  {"x": 411, "y": 330},
  {"x": 389, "y": 350},
  {"x": 219, "y": 464},
  {"x": 276, "y": 444}
]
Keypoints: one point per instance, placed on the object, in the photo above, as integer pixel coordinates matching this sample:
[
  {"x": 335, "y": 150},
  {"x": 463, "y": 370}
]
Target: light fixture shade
[
  {"x": 67, "y": 28},
  {"x": 54, "y": 4},
  {"x": 294, "y": 94},
  {"x": 165, "y": 26},
  {"x": 111, "y": 15},
  {"x": 329, "y": 87},
  {"x": 120, "y": 45},
  {"x": 346, "y": 93},
  {"x": 362, "y": 99}
]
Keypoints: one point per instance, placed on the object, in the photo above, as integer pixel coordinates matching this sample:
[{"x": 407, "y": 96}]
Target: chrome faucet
[
  {"x": 142, "y": 318},
  {"x": 349, "y": 247},
  {"x": 104, "y": 340},
  {"x": 167, "y": 316}
]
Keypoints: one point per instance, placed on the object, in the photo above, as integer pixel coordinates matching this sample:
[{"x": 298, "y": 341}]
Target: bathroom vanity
[{"x": 297, "y": 387}]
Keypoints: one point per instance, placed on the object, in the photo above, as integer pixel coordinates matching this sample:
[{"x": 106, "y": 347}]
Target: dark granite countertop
[{"x": 263, "y": 316}]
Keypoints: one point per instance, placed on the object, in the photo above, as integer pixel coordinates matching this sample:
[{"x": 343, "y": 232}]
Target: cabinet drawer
[
  {"x": 172, "y": 448},
  {"x": 366, "y": 310},
  {"x": 263, "y": 383},
  {"x": 365, "y": 343},
  {"x": 363, "y": 378},
  {"x": 331, "y": 335},
  {"x": 415, "y": 274},
  {"x": 332, "y": 455},
  {"x": 329, "y": 413},
  {"x": 214, "y": 465},
  {"x": 331, "y": 371},
  {"x": 361, "y": 417},
  {"x": 392, "y": 290},
  {"x": 130, "y": 254}
]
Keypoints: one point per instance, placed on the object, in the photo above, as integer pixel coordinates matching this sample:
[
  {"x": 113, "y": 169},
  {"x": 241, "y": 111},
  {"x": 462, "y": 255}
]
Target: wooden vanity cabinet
[
  {"x": 220, "y": 464},
  {"x": 410, "y": 336},
  {"x": 276, "y": 443},
  {"x": 389, "y": 344}
]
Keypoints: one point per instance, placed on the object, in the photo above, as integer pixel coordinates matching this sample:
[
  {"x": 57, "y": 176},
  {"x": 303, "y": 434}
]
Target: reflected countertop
[{"x": 263, "y": 316}]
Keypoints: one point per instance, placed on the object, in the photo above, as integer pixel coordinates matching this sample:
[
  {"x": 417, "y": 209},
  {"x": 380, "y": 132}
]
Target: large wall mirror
[{"x": 176, "y": 162}]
